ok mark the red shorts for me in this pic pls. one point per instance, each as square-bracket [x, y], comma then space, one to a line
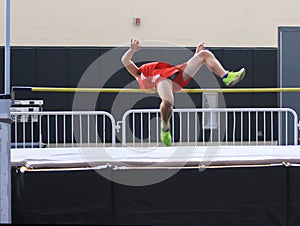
[151, 82]
[178, 81]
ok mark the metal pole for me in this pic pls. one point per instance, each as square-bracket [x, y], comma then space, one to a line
[5, 165]
[7, 47]
[5, 161]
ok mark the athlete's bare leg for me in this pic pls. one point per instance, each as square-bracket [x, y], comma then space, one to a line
[165, 92]
[203, 56]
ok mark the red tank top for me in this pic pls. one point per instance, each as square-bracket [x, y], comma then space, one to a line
[153, 72]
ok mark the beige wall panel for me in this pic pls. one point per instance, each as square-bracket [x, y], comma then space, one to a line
[225, 23]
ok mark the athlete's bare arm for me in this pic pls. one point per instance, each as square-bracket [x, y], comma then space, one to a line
[126, 59]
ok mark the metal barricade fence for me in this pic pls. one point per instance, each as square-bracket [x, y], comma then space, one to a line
[62, 129]
[236, 126]
[141, 127]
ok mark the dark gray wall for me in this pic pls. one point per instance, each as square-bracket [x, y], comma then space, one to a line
[289, 67]
[65, 66]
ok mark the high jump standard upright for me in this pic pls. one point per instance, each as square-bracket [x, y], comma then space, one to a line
[5, 164]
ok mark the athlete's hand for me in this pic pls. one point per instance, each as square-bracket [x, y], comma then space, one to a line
[135, 45]
[200, 47]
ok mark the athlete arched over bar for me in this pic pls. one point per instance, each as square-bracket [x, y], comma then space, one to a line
[167, 79]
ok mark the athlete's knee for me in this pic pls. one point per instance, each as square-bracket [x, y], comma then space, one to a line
[204, 54]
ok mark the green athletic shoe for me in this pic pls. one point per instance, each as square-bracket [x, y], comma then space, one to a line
[234, 77]
[165, 137]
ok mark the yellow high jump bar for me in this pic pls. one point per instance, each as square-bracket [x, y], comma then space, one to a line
[132, 90]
